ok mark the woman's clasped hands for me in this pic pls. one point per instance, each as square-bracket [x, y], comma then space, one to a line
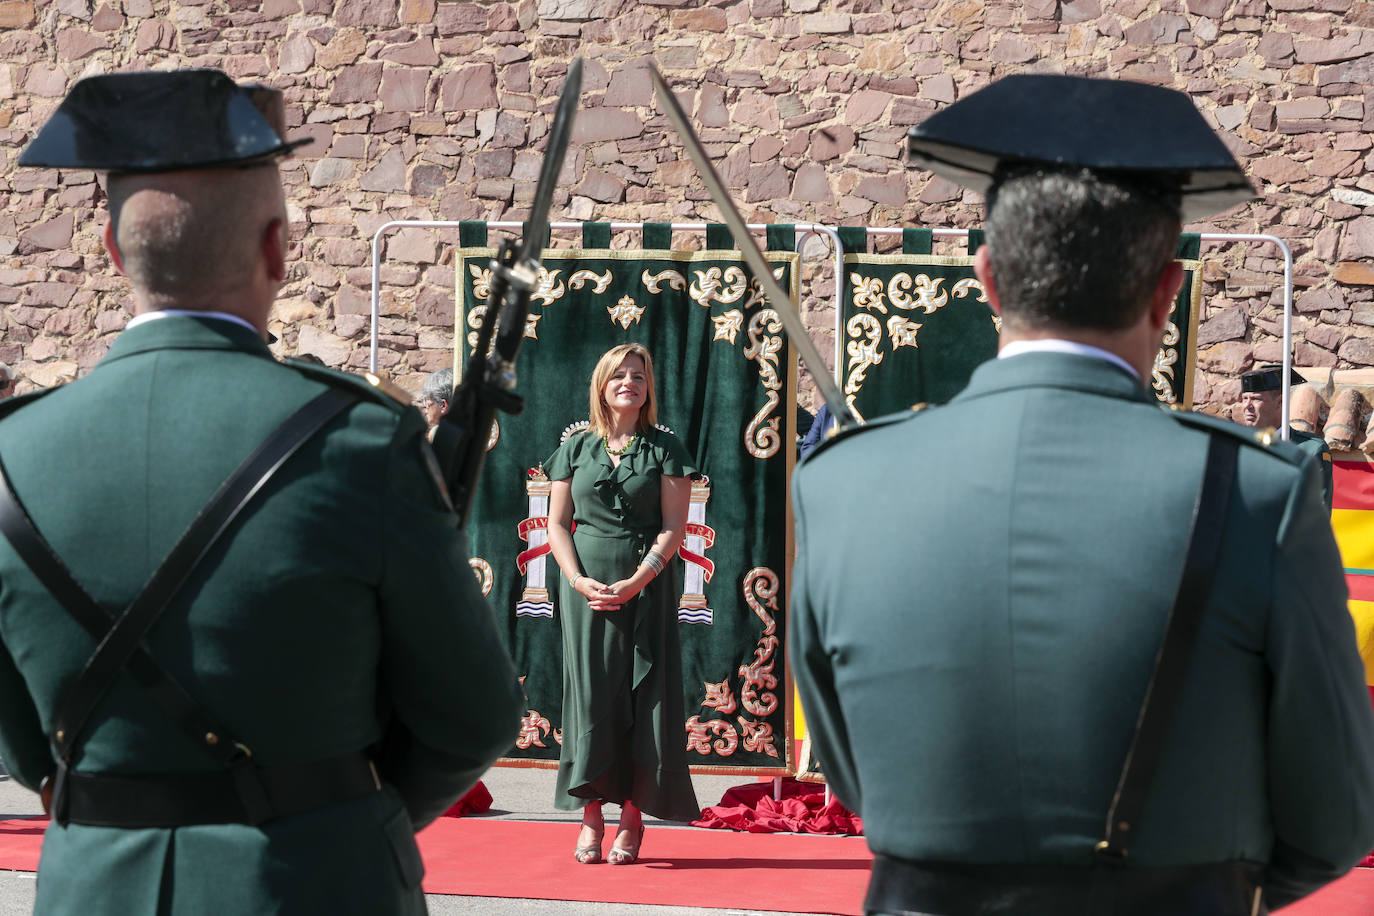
[602, 597]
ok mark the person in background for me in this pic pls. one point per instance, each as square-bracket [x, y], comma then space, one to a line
[1261, 407]
[7, 381]
[974, 630]
[624, 483]
[815, 435]
[268, 738]
[434, 398]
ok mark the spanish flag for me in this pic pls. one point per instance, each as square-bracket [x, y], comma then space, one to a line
[1352, 518]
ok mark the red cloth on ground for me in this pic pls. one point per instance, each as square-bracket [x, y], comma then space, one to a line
[476, 801]
[802, 809]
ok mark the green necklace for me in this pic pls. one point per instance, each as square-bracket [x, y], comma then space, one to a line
[617, 452]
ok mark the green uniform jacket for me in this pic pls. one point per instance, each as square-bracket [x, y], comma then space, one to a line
[1317, 447]
[979, 594]
[339, 609]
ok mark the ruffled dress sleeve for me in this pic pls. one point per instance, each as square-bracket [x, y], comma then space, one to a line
[674, 461]
[559, 465]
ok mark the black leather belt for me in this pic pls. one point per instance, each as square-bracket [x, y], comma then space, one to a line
[904, 888]
[185, 799]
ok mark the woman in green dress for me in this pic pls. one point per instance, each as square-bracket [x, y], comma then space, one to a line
[623, 484]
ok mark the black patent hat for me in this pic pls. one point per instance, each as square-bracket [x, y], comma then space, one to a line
[162, 121]
[1148, 135]
[1268, 378]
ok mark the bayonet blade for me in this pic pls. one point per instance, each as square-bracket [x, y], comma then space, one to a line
[537, 226]
[744, 240]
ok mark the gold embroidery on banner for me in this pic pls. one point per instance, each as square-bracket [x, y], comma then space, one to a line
[761, 437]
[549, 289]
[481, 281]
[1165, 361]
[535, 727]
[580, 278]
[758, 736]
[477, 313]
[967, 285]
[758, 680]
[728, 325]
[756, 294]
[482, 569]
[715, 285]
[652, 282]
[475, 316]
[865, 334]
[902, 331]
[868, 292]
[928, 297]
[720, 697]
[699, 736]
[573, 428]
[961, 289]
[626, 312]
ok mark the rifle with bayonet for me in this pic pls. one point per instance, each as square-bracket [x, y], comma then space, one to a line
[488, 381]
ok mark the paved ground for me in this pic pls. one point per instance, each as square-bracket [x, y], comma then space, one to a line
[518, 793]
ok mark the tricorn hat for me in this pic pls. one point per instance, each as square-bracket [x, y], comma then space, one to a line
[162, 121]
[1268, 378]
[1148, 135]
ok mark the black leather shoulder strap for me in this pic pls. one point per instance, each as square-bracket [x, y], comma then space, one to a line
[1176, 650]
[120, 643]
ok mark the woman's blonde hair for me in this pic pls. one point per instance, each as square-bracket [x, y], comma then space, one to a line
[605, 368]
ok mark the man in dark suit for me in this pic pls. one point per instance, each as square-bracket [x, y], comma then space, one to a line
[327, 679]
[974, 626]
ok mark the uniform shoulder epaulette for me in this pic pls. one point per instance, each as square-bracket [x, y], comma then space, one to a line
[1265, 439]
[837, 435]
[373, 387]
[11, 404]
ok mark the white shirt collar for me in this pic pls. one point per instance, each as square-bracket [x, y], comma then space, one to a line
[168, 313]
[1054, 345]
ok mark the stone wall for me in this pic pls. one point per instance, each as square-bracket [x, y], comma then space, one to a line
[424, 109]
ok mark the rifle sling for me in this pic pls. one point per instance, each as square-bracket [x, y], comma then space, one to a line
[120, 644]
[1175, 651]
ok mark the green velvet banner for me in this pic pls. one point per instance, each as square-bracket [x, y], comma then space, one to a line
[726, 382]
[915, 326]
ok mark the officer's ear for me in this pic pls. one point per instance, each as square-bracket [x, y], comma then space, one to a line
[113, 248]
[273, 246]
[1166, 289]
[982, 269]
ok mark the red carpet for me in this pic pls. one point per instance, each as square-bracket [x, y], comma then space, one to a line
[681, 867]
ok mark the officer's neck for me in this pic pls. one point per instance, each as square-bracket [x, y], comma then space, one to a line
[1135, 346]
[252, 313]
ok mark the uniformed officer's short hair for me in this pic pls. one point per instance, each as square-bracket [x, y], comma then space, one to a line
[438, 387]
[1077, 249]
